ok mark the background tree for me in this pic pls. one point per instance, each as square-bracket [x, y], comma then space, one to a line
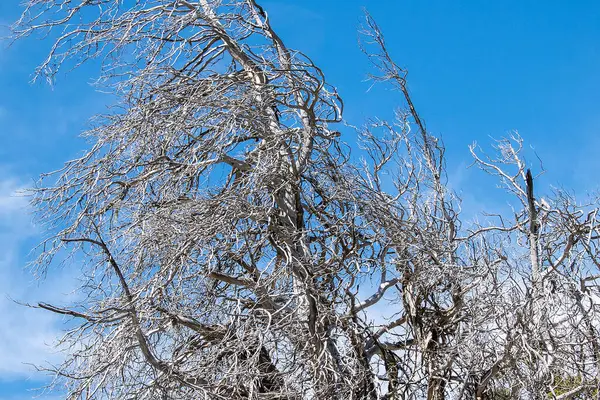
[223, 230]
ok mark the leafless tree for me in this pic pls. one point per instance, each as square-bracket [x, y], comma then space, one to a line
[228, 241]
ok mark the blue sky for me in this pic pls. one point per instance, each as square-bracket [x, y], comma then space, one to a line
[477, 70]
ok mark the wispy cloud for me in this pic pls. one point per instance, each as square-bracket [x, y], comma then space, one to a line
[25, 333]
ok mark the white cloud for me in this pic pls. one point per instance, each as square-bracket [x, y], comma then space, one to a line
[10, 199]
[25, 333]
[33, 395]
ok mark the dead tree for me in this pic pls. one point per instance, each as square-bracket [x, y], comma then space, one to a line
[227, 237]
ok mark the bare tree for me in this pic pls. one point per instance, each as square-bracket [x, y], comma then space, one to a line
[223, 230]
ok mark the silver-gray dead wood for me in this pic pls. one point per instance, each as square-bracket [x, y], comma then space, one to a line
[228, 240]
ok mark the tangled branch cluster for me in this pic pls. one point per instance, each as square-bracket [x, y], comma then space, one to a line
[223, 231]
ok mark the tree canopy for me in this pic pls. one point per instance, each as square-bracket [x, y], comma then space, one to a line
[232, 246]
